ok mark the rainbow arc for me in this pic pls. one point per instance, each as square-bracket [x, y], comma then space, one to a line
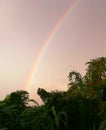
[48, 41]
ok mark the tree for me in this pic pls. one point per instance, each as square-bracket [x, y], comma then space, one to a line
[37, 118]
[96, 71]
[9, 116]
[75, 78]
[44, 95]
[12, 107]
[81, 107]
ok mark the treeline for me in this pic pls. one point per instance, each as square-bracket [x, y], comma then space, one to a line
[81, 107]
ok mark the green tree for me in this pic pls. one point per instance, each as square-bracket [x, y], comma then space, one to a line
[37, 118]
[96, 71]
[12, 107]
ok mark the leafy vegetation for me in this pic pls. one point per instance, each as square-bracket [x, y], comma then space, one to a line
[81, 107]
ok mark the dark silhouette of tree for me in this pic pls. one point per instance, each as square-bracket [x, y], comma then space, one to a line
[81, 107]
[96, 71]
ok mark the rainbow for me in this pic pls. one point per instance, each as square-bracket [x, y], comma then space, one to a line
[47, 42]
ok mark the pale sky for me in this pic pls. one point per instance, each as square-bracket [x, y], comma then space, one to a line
[24, 26]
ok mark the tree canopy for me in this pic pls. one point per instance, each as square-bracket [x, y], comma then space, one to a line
[81, 107]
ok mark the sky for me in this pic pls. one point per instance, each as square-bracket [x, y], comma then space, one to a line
[24, 27]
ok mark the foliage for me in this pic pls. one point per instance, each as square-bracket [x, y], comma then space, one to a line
[81, 107]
